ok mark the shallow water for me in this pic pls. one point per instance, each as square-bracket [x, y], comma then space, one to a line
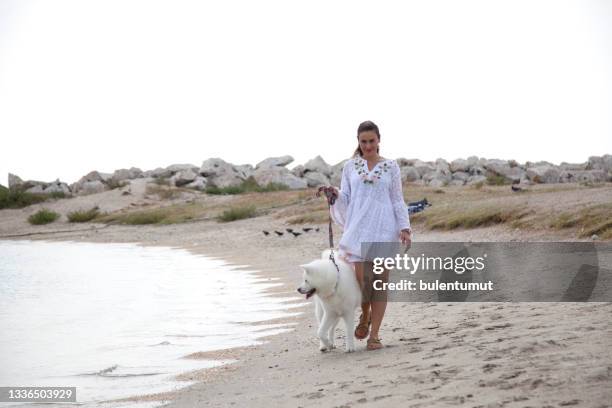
[115, 320]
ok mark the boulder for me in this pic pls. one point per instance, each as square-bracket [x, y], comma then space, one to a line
[37, 189]
[159, 173]
[175, 168]
[220, 173]
[409, 173]
[460, 165]
[580, 176]
[278, 174]
[336, 173]
[316, 179]
[423, 167]
[476, 179]
[126, 174]
[183, 177]
[298, 171]
[199, 183]
[274, 162]
[543, 173]
[460, 175]
[57, 187]
[14, 181]
[245, 170]
[92, 187]
[318, 165]
[402, 162]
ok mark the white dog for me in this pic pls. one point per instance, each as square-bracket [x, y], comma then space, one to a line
[337, 295]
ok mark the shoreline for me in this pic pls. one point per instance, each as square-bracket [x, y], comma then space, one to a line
[436, 354]
[288, 369]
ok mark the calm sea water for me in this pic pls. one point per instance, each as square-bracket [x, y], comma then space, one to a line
[115, 320]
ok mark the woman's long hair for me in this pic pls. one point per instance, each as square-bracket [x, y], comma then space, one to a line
[364, 127]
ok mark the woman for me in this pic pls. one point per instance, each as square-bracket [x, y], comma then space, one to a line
[370, 208]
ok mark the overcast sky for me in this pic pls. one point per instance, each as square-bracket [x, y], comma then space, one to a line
[101, 85]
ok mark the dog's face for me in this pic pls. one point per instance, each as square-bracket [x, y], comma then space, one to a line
[313, 278]
[307, 287]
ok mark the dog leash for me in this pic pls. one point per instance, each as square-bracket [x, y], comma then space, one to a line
[331, 199]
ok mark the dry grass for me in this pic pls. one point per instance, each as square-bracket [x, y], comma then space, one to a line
[594, 219]
[449, 217]
[171, 214]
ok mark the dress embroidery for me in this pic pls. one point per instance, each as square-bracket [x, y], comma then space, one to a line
[369, 176]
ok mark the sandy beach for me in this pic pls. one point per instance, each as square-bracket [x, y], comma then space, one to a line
[436, 354]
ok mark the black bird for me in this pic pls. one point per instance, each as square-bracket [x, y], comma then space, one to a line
[266, 232]
[516, 189]
[296, 234]
[307, 229]
[317, 229]
[279, 233]
[289, 229]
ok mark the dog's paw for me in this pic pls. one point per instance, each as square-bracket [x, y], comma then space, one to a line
[324, 347]
[349, 349]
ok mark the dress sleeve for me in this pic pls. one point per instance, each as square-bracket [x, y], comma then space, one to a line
[338, 210]
[397, 198]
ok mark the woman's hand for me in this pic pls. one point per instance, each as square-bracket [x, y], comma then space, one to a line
[406, 236]
[330, 192]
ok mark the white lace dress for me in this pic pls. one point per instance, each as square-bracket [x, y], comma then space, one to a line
[370, 206]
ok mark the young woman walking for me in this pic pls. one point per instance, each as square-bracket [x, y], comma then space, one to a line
[369, 207]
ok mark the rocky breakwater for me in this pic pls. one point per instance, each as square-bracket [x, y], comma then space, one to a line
[216, 172]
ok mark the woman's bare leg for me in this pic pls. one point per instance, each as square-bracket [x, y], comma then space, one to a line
[379, 305]
[365, 307]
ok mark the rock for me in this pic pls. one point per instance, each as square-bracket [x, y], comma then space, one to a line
[477, 170]
[316, 179]
[510, 170]
[159, 173]
[245, 170]
[543, 173]
[220, 173]
[183, 177]
[274, 162]
[175, 168]
[594, 237]
[199, 183]
[126, 174]
[476, 179]
[423, 167]
[318, 165]
[298, 171]
[37, 189]
[581, 176]
[402, 162]
[336, 174]
[92, 187]
[14, 181]
[57, 187]
[460, 165]
[442, 165]
[409, 173]
[278, 174]
[460, 175]
[442, 176]
[573, 166]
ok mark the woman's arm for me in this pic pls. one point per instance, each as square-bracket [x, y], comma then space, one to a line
[397, 199]
[338, 210]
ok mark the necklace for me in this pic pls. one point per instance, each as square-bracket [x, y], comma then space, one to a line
[369, 176]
